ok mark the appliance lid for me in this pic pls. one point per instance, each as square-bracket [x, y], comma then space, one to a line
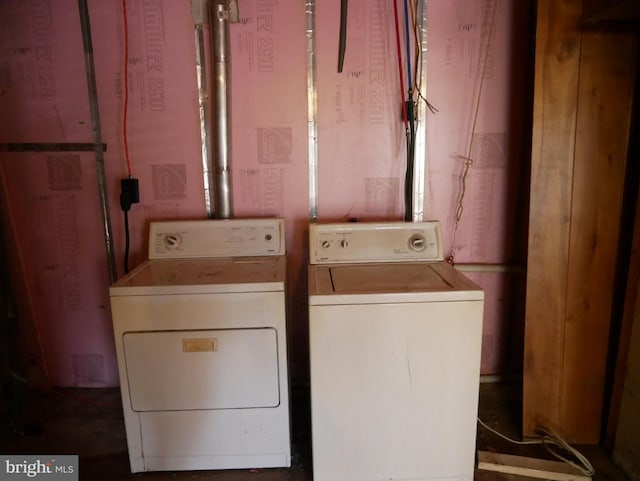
[205, 275]
[391, 282]
[386, 278]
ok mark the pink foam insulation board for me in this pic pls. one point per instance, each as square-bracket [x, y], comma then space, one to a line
[54, 207]
[477, 63]
[56, 222]
[503, 334]
[361, 134]
[42, 73]
[53, 196]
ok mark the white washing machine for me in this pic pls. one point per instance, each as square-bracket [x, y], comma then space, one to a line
[200, 338]
[395, 337]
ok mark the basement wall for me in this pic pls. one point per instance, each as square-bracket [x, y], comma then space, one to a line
[478, 70]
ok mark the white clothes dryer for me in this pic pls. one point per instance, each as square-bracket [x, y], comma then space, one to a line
[395, 338]
[200, 335]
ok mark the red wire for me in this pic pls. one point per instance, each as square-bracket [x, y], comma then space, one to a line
[126, 85]
[404, 104]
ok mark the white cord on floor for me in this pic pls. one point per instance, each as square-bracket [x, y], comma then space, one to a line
[548, 440]
[533, 441]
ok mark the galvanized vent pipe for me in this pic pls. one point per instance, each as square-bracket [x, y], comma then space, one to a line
[221, 112]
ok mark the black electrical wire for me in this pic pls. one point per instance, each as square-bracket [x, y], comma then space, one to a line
[126, 242]
[408, 183]
[411, 144]
[344, 8]
[130, 194]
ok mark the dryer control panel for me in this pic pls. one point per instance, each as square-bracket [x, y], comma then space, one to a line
[361, 242]
[216, 238]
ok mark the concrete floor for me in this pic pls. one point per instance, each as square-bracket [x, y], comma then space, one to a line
[89, 423]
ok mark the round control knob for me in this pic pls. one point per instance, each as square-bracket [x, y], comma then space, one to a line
[344, 243]
[417, 242]
[325, 244]
[172, 241]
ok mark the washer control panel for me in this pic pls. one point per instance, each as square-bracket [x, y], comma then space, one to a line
[216, 238]
[375, 242]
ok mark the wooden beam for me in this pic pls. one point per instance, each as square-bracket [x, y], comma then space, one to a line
[605, 93]
[529, 467]
[557, 67]
[583, 87]
[630, 232]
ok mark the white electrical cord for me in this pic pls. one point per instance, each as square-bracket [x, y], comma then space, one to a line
[549, 439]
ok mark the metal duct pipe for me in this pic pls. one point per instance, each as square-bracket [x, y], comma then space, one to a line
[221, 92]
[205, 117]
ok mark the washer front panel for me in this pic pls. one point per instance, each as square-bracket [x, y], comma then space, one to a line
[394, 390]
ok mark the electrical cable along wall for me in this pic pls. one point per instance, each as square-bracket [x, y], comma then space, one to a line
[129, 188]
